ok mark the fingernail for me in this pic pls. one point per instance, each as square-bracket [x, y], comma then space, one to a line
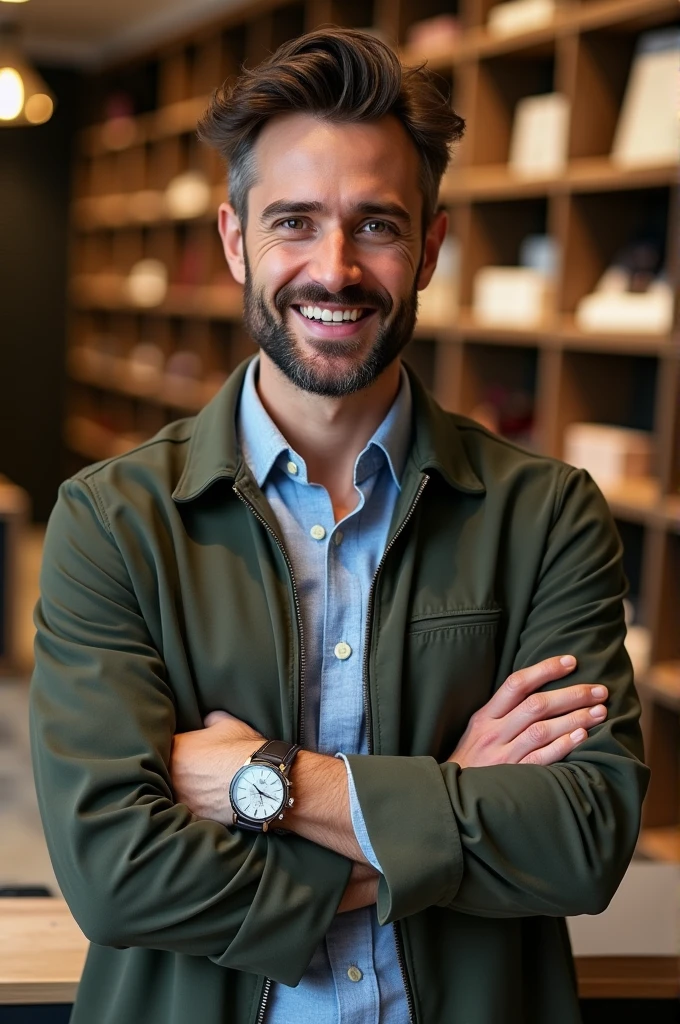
[568, 661]
[577, 736]
[598, 692]
[598, 711]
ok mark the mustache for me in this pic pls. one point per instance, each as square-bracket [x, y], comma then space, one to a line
[353, 295]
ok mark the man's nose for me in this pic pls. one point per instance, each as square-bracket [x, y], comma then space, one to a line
[333, 263]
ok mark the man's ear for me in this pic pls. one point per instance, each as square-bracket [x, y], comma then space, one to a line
[229, 227]
[434, 237]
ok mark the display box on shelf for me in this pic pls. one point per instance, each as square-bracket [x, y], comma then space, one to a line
[610, 454]
[512, 296]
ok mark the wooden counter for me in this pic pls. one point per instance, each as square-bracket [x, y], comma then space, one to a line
[42, 952]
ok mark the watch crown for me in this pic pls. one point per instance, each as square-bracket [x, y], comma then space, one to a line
[291, 801]
[280, 817]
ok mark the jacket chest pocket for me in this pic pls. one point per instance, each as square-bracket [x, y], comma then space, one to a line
[450, 662]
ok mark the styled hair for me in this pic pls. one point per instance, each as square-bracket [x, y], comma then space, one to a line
[342, 76]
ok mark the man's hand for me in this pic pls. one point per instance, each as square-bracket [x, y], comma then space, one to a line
[203, 763]
[520, 726]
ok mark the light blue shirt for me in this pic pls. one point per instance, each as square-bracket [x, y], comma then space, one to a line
[334, 565]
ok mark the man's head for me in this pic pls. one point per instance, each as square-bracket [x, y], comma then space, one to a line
[335, 154]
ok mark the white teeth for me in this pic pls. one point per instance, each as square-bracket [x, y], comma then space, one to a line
[328, 315]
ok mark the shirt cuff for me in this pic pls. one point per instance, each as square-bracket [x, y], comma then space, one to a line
[358, 823]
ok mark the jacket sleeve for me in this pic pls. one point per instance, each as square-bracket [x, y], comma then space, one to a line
[137, 868]
[519, 840]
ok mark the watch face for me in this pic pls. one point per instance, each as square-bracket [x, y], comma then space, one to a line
[257, 792]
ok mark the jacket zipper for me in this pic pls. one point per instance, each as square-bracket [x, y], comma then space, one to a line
[367, 707]
[398, 938]
[300, 724]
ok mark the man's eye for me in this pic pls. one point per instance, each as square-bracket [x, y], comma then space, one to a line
[378, 227]
[294, 223]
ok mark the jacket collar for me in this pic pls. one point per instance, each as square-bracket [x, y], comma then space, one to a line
[214, 451]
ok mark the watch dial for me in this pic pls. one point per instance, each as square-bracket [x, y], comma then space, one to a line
[258, 792]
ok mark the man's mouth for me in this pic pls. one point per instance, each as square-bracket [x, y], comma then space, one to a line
[323, 314]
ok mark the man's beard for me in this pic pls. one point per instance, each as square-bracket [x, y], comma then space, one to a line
[319, 375]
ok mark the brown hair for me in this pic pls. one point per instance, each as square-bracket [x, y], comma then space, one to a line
[341, 75]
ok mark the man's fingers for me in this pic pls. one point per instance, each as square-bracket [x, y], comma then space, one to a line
[540, 735]
[557, 750]
[538, 707]
[520, 684]
[216, 716]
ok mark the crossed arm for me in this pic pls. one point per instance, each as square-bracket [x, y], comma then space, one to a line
[517, 726]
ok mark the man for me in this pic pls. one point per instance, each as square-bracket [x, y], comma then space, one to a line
[325, 563]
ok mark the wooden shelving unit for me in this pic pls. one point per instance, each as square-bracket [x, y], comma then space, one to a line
[567, 375]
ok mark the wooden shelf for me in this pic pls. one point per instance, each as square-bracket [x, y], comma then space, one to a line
[594, 174]
[107, 292]
[135, 209]
[628, 977]
[662, 684]
[173, 119]
[661, 844]
[94, 442]
[113, 374]
[479, 43]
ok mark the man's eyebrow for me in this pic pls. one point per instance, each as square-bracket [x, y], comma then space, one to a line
[394, 210]
[283, 207]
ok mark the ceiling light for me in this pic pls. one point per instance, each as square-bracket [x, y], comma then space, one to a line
[25, 99]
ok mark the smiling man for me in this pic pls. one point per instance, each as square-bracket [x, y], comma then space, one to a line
[304, 745]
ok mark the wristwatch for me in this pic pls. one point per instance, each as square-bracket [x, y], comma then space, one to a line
[260, 790]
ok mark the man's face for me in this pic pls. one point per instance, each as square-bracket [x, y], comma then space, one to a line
[333, 253]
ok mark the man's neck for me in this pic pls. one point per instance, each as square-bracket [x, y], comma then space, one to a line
[328, 433]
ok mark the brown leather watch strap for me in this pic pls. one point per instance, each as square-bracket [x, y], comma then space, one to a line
[278, 753]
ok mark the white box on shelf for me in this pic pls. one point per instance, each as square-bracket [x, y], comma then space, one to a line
[649, 312]
[520, 16]
[538, 146]
[648, 130]
[511, 296]
[610, 454]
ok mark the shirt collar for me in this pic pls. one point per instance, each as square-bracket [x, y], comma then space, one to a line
[263, 443]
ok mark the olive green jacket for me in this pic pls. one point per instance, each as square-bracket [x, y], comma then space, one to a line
[166, 594]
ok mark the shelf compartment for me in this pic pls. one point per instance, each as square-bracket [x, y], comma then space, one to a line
[662, 683]
[497, 386]
[598, 226]
[662, 844]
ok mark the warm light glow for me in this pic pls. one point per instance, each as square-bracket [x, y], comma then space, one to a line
[11, 94]
[13, 1]
[38, 108]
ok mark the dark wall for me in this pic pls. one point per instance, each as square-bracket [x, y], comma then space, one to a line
[35, 178]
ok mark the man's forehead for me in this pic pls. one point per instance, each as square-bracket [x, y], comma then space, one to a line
[296, 152]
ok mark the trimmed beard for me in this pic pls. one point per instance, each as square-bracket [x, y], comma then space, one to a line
[317, 375]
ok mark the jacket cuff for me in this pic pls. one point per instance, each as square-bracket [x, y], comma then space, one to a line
[358, 823]
[413, 831]
[293, 908]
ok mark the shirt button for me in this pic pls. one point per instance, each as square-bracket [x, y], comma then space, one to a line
[337, 537]
[354, 974]
[292, 468]
[318, 532]
[342, 651]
